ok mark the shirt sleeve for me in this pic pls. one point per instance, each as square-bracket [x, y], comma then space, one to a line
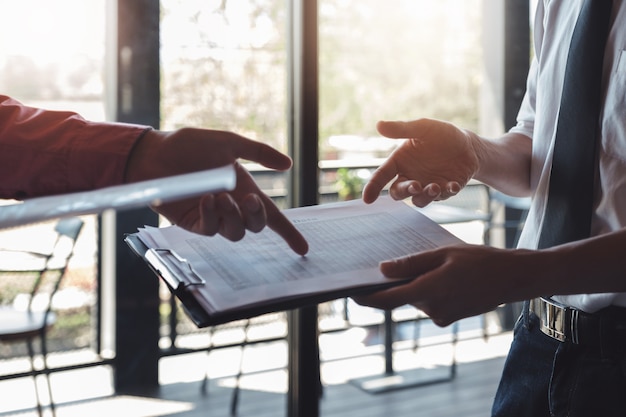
[53, 152]
[527, 112]
[526, 115]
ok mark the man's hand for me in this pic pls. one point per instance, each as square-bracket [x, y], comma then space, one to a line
[436, 161]
[160, 154]
[456, 282]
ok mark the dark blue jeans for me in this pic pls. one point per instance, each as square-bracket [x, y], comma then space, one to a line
[545, 377]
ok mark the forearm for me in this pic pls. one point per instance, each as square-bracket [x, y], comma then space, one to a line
[594, 265]
[504, 163]
[51, 152]
[564, 269]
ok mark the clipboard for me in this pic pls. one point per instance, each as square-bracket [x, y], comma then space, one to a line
[182, 284]
[219, 281]
[178, 286]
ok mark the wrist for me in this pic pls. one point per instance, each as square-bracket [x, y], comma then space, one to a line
[479, 147]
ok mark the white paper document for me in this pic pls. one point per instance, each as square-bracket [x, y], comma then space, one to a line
[261, 274]
[120, 197]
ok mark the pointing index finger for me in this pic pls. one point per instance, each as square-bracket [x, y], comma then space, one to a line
[280, 224]
[261, 153]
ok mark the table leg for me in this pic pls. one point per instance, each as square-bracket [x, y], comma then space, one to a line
[304, 363]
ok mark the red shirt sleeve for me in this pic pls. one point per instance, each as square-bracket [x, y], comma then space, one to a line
[53, 152]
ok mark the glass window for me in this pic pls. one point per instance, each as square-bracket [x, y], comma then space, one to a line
[52, 54]
[223, 67]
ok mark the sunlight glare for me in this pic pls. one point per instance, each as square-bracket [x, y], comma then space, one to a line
[49, 31]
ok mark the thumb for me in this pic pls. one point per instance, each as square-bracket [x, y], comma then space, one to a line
[400, 129]
[410, 266]
[406, 130]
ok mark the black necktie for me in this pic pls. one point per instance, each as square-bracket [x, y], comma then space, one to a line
[570, 196]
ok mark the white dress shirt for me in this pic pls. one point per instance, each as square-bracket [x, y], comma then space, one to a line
[537, 118]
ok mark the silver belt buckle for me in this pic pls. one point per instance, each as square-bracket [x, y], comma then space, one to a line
[556, 319]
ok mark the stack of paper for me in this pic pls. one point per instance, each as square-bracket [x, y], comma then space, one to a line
[218, 280]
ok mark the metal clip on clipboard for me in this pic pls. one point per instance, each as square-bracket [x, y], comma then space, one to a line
[175, 270]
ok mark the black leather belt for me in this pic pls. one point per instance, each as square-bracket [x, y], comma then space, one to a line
[566, 324]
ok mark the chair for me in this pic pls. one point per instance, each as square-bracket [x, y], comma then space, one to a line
[32, 320]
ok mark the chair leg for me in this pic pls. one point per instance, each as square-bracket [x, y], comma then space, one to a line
[455, 339]
[234, 402]
[416, 333]
[44, 353]
[204, 386]
[31, 355]
[484, 324]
